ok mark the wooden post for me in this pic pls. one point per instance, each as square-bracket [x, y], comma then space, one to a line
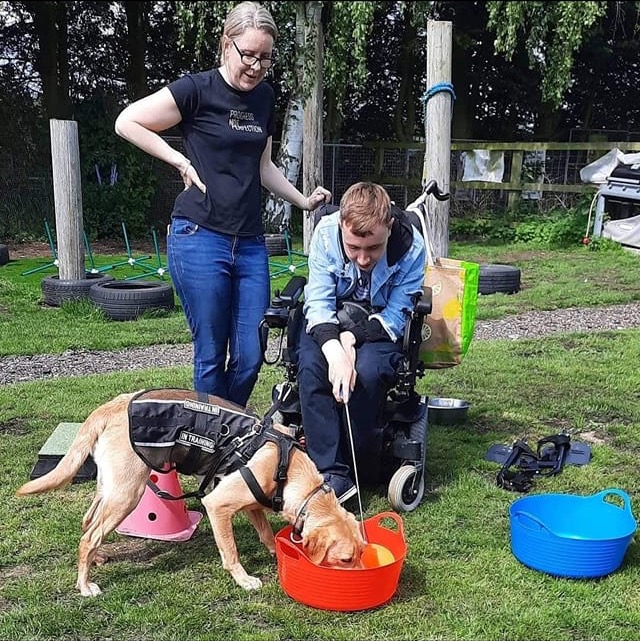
[312, 174]
[437, 127]
[67, 195]
[513, 197]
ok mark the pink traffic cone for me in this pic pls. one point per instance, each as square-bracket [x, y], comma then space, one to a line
[162, 519]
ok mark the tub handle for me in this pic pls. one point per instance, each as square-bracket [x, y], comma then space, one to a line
[530, 517]
[377, 520]
[291, 549]
[626, 500]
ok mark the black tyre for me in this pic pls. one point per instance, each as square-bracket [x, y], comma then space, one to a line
[4, 254]
[127, 300]
[56, 291]
[418, 430]
[499, 278]
[276, 244]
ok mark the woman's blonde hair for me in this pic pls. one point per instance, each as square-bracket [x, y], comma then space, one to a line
[247, 15]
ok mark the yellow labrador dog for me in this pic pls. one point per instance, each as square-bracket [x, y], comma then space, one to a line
[329, 534]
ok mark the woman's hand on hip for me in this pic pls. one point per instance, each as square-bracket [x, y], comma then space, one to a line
[190, 177]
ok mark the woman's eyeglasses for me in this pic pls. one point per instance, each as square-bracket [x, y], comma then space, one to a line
[249, 60]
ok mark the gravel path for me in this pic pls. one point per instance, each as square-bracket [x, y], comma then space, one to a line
[15, 369]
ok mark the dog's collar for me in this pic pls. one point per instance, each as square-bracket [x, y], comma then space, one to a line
[301, 514]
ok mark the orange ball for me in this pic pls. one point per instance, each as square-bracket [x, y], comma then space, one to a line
[375, 555]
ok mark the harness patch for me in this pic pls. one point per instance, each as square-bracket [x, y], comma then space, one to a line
[204, 443]
[199, 406]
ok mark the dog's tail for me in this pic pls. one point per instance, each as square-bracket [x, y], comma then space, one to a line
[77, 453]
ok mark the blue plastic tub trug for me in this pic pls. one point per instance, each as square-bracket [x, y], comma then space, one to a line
[572, 536]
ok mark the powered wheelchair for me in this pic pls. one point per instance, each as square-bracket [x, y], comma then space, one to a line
[403, 437]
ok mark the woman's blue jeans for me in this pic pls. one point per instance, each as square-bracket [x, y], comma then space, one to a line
[222, 282]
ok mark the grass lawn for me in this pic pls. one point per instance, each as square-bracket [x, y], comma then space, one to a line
[550, 279]
[460, 579]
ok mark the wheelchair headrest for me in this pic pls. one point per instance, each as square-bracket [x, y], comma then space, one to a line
[412, 217]
[323, 210]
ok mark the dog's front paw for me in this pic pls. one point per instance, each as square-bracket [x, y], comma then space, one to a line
[89, 589]
[243, 579]
[250, 583]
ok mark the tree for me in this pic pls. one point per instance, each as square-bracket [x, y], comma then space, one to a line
[346, 28]
[603, 94]
[312, 152]
[553, 34]
[289, 156]
[50, 27]
[137, 23]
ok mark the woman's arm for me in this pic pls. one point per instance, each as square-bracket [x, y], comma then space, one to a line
[141, 123]
[274, 180]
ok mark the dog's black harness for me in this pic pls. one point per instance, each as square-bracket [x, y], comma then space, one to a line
[203, 438]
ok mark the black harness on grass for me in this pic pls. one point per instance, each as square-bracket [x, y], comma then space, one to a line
[523, 465]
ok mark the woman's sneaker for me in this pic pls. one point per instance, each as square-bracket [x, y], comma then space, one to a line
[342, 486]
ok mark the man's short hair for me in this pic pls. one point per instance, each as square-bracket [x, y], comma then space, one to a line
[365, 206]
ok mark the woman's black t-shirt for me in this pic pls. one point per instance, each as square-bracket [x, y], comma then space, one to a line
[225, 132]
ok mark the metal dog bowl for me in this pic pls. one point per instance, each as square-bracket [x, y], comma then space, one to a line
[447, 411]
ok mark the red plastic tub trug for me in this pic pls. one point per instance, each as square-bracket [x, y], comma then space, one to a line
[343, 589]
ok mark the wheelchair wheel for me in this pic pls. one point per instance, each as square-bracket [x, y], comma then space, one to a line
[405, 490]
[418, 429]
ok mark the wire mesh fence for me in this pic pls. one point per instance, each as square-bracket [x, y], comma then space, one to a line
[29, 200]
[399, 169]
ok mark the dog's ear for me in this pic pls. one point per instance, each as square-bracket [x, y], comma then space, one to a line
[315, 544]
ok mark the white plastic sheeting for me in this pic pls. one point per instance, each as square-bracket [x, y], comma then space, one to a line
[625, 231]
[483, 164]
[599, 170]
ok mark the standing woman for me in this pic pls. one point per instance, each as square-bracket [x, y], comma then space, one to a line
[216, 249]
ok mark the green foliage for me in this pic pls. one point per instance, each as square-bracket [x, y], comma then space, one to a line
[346, 48]
[200, 25]
[559, 228]
[601, 244]
[118, 183]
[484, 228]
[22, 211]
[554, 33]
[563, 229]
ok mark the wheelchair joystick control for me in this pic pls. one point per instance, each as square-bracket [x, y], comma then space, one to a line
[277, 313]
[282, 303]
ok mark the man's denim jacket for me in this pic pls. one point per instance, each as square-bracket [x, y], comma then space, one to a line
[332, 277]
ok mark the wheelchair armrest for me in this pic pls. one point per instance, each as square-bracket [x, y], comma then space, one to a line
[424, 302]
[413, 368]
[284, 310]
[290, 295]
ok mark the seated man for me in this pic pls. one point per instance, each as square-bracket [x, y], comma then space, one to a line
[360, 257]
